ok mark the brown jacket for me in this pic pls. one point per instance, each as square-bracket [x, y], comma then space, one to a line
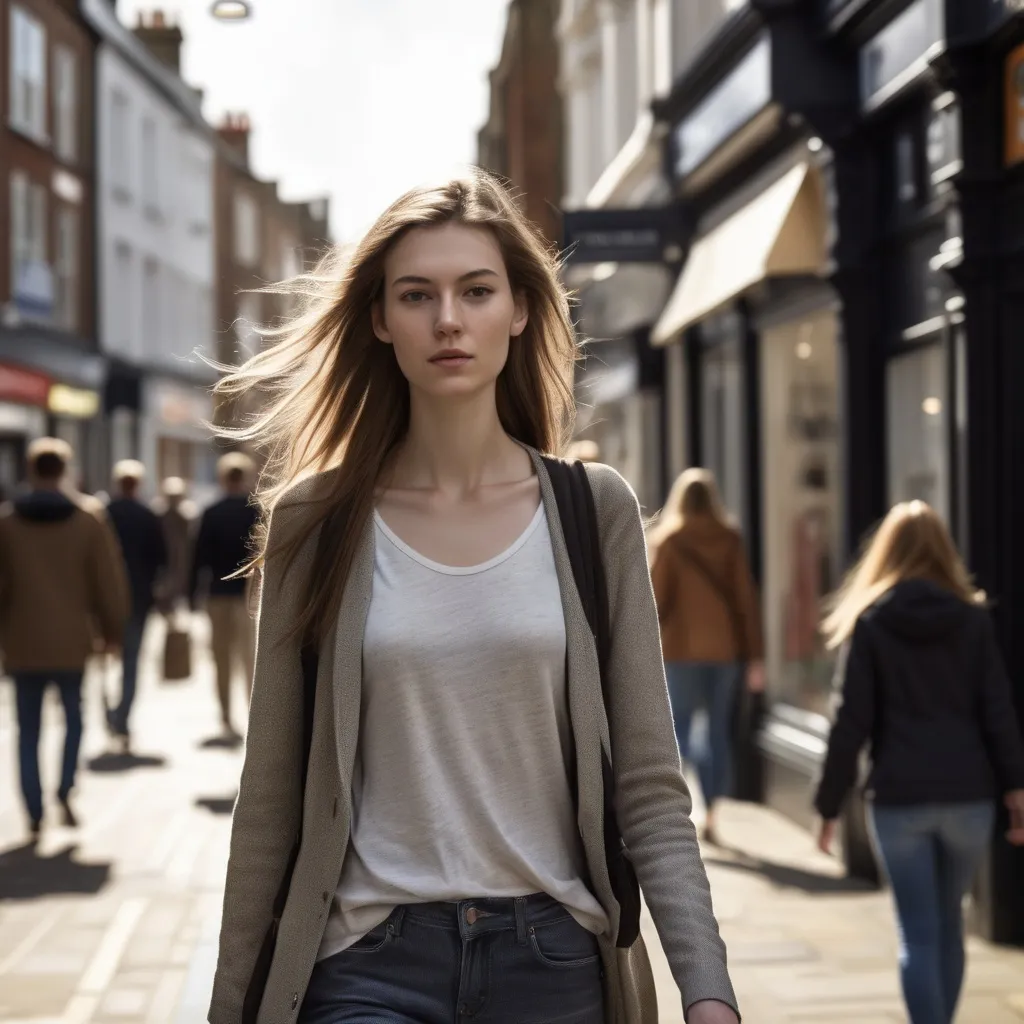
[706, 596]
[62, 584]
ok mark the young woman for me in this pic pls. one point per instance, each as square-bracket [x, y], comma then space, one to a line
[451, 864]
[710, 622]
[923, 679]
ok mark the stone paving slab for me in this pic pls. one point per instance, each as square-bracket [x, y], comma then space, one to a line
[116, 922]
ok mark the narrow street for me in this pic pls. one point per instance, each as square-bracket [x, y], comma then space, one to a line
[117, 921]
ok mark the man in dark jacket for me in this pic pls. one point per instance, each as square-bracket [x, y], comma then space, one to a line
[222, 548]
[61, 579]
[145, 556]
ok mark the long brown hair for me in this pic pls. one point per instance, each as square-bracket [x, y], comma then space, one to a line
[694, 495]
[912, 542]
[333, 395]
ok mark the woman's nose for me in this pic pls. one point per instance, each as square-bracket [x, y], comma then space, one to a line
[449, 320]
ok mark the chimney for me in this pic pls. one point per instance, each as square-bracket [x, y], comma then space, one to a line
[161, 38]
[234, 130]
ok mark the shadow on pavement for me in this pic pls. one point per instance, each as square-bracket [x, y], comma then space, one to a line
[26, 876]
[788, 877]
[222, 742]
[217, 804]
[111, 762]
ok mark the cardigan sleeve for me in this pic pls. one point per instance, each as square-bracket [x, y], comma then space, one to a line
[268, 808]
[652, 800]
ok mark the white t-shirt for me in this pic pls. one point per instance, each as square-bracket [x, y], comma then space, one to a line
[461, 784]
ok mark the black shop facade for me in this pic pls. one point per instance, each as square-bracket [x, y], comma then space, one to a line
[846, 311]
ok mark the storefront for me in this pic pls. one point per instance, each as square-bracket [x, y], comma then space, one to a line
[848, 320]
[174, 436]
[23, 399]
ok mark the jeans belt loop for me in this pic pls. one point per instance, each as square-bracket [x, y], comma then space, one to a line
[521, 920]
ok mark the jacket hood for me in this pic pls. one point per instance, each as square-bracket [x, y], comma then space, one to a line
[45, 507]
[920, 610]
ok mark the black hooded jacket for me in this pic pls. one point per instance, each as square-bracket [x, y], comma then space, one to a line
[923, 680]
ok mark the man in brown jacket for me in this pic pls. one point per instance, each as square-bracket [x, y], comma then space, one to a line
[62, 595]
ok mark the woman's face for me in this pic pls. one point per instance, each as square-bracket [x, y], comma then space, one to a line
[448, 309]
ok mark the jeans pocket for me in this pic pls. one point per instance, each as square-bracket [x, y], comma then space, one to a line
[374, 940]
[564, 944]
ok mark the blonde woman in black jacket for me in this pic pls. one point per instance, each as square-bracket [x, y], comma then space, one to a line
[924, 682]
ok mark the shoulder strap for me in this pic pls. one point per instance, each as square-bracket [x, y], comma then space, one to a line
[578, 515]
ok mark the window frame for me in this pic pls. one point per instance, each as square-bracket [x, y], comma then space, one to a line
[31, 122]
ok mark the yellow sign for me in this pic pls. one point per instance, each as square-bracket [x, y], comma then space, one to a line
[1014, 102]
[74, 402]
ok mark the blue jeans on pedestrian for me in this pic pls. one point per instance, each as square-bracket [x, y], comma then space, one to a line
[482, 961]
[29, 688]
[712, 686]
[131, 647]
[931, 853]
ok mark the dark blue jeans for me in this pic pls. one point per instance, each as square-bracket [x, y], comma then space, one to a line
[132, 645]
[489, 961]
[29, 688]
[931, 853]
[712, 686]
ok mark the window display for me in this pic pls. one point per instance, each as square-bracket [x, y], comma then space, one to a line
[802, 504]
[918, 428]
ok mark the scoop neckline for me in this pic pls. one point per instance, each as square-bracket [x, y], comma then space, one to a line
[460, 570]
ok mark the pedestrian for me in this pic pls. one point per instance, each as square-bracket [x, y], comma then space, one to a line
[710, 624]
[144, 549]
[452, 862]
[222, 549]
[922, 678]
[177, 514]
[60, 579]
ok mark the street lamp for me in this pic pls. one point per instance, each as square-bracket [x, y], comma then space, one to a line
[231, 10]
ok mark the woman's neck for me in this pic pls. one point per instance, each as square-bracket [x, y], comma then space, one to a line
[457, 448]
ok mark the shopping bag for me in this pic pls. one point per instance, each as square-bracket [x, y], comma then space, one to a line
[177, 652]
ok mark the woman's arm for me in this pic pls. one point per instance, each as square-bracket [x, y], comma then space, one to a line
[999, 720]
[664, 574]
[748, 605]
[854, 720]
[652, 800]
[268, 808]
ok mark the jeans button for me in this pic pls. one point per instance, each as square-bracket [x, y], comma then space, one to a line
[472, 916]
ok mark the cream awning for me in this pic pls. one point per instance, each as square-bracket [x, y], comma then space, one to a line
[780, 232]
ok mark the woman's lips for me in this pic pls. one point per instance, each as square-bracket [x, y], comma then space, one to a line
[451, 362]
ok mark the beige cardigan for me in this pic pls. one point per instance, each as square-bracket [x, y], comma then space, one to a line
[652, 798]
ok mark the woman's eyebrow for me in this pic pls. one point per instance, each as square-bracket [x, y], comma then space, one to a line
[413, 279]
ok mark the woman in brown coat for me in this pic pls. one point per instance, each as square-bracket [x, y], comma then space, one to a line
[710, 622]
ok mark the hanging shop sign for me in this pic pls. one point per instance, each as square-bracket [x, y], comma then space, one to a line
[642, 235]
[24, 386]
[1014, 101]
[75, 403]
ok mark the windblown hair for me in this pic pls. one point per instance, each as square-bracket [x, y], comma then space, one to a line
[912, 542]
[333, 396]
[694, 495]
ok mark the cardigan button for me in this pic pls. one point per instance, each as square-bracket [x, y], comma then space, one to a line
[295, 999]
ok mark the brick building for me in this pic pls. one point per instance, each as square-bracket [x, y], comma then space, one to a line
[50, 373]
[260, 239]
[522, 139]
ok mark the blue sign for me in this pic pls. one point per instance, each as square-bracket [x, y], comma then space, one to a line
[34, 290]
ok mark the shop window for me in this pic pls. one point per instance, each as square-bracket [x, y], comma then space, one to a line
[943, 147]
[906, 169]
[724, 419]
[802, 514]
[918, 428]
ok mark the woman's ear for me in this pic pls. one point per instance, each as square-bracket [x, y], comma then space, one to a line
[520, 315]
[380, 328]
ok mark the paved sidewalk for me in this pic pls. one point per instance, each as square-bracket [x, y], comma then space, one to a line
[116, 923]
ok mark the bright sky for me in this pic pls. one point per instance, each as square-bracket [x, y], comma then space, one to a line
[359, 99]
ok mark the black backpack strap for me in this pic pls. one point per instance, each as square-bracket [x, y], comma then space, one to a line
[577, 512]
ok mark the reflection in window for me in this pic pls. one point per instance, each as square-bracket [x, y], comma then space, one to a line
[802, 504]
[888, 58]
[918, 428]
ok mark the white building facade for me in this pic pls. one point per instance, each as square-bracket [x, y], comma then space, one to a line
[617, 58]
[155, 202]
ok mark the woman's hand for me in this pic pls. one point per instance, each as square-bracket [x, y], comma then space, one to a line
[710, 1011]
[1015, 805]
[826, 836]
[756, 677]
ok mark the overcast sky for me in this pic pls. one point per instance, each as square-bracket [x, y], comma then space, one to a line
[359, 99]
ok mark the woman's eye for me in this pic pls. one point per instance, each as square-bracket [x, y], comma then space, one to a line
[479, 292]
[414, 296]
